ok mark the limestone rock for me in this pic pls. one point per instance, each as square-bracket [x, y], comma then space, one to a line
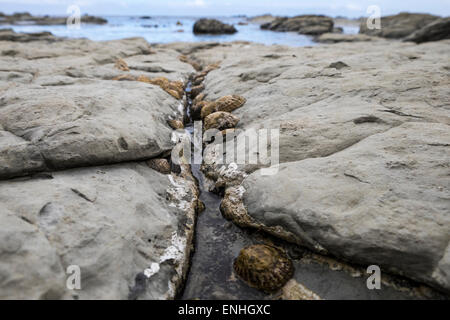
[30, 267]
[18, 156]
[81, 125]
[382, 201]
[114, 222]
[59, 112]
[366, 149]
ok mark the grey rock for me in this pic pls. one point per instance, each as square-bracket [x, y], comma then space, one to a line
[344, 122]
[59, 112]
[128, 227]
[18, 156]
[436, 30]
[212, 26]
[80, 125]
[114, 222]
[306, 24]
[30, 267]
[383, 201]
[399, 26]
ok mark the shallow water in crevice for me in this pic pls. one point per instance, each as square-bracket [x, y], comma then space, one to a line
[217, 242]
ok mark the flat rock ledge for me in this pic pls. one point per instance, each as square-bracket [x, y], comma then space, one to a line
[75, 189]
[364, 137]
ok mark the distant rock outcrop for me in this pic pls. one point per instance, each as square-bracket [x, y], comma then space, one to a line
[27, 18]
[399, 26]
[266, 18]
[212, 26]
[437, 30]
[306, 24]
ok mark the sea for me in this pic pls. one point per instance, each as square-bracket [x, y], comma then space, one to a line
[167, 29]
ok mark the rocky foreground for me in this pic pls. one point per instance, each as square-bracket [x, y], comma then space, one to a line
[364, 153]
[98, 205]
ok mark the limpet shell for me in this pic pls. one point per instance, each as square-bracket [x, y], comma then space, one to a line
[174, 88]
[220, 121]
[264, 267]
[229, 103]
[121, 65]
[160, 165]
[175, 124]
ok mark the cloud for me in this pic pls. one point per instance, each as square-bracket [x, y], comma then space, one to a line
[197, 3]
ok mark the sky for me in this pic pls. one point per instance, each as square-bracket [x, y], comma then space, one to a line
[349, 8]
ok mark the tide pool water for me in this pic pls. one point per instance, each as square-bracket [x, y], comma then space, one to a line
[166, 30]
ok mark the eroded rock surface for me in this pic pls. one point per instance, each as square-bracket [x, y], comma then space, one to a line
[128, 227]
[114, 222]
[384, 201]
[364, 137]
[60, 108]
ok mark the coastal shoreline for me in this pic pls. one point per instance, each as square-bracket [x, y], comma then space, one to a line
[80, 122]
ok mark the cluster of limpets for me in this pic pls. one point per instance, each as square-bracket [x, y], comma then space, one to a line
[264, 267]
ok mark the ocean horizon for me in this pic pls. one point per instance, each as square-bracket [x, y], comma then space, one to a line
[167, 29]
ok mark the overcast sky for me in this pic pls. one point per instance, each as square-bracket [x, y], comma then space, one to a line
[351, 8]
